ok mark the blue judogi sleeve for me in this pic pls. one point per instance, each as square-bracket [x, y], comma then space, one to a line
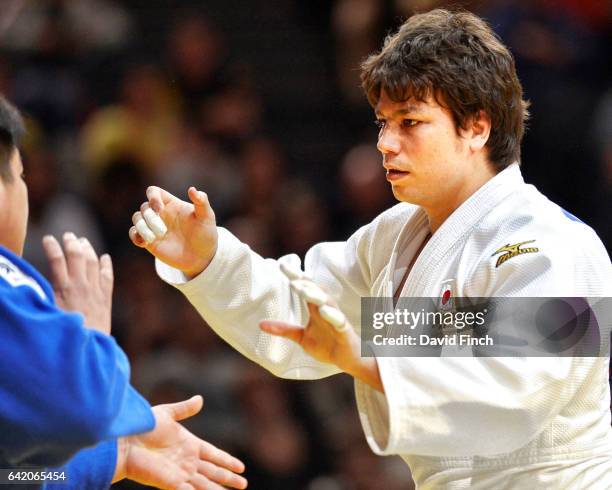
[91, 468]
[63, 387]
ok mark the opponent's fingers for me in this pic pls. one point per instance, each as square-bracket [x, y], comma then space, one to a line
[281, 329]
[200, 482]
[107, 275]
[213, 454]
[158, 198]
[186, 408]
[92, 266]
[57, 262]
[203, 210]
[152, 466]
[221, 475]
[136, 238]
[185, 486]
[75, 257]
[153, 220]
[142, 228]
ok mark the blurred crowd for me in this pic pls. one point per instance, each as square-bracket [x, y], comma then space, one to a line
[258, 103]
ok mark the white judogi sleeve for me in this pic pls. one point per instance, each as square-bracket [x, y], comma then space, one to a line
[458, 406]
[239, 289]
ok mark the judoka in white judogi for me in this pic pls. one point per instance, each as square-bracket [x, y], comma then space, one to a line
[480, 423]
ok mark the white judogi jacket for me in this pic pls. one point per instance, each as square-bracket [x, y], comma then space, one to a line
[478, 423]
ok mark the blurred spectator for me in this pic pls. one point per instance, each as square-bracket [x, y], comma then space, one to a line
[277, 447]
[233, 114]
[95, 24]
[53, 210]
[364, 191]
[194, 360]
[118, 189]
[255, 232]
[302, 218]
[196, 57]
[356, 25]
[192, 159]
[262, 175]
[141, 125]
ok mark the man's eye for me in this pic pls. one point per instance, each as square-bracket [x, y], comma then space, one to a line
[409, 122]
[379, 123]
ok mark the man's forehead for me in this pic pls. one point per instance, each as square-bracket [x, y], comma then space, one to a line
[387, 106]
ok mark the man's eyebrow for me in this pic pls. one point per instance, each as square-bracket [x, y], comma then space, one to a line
[409, 109]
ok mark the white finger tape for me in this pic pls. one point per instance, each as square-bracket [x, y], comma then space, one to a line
[314, 295]
[291, 272]
[297, 285]
[144, 231]
[335, 317]
[155, 223]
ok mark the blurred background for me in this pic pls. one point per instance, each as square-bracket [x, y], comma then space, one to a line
[258, 103]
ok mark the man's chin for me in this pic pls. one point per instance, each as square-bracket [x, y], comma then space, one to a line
[401, 194]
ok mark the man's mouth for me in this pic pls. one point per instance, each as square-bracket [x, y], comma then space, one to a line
[393, 174]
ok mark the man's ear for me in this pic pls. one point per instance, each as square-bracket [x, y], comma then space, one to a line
[478, 131]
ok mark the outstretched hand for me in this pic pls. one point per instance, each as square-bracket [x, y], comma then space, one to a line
[170, 457]
[185, 237]
[328, 336]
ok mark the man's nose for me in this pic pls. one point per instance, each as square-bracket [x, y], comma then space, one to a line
[388, 141]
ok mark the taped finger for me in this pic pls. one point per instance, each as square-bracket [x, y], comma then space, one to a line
[312, 293]
[291, 272]
[144, 231]
[136, 238]
[154, 222]
[334, 317]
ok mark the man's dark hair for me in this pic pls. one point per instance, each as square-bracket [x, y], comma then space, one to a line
[11, 132]
[456, 58]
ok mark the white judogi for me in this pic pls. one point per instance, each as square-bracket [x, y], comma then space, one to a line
[477, 423]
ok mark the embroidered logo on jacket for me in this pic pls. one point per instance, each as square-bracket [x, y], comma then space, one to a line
[510, 251]
[13, 275]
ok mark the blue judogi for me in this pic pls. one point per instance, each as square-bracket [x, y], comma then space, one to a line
[63, 387]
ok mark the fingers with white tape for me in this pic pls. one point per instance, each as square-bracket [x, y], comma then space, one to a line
[144, 231]
[154, 222]
[291, 272]
[334, 317]
[313, 294]
[309, 291]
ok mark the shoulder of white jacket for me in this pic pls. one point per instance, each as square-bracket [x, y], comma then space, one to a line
[14, 277]
[528, 232]
[529, 215]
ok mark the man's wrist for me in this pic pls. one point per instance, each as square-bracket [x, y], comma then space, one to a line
[192, 272]
[367, 371]
[363, 368]
[122, 456]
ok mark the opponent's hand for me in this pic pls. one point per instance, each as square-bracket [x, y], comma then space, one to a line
[186, 239]
[328, 336]
[81, 282]
[171, 457]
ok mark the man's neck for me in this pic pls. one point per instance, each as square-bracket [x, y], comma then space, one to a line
[439, 214]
